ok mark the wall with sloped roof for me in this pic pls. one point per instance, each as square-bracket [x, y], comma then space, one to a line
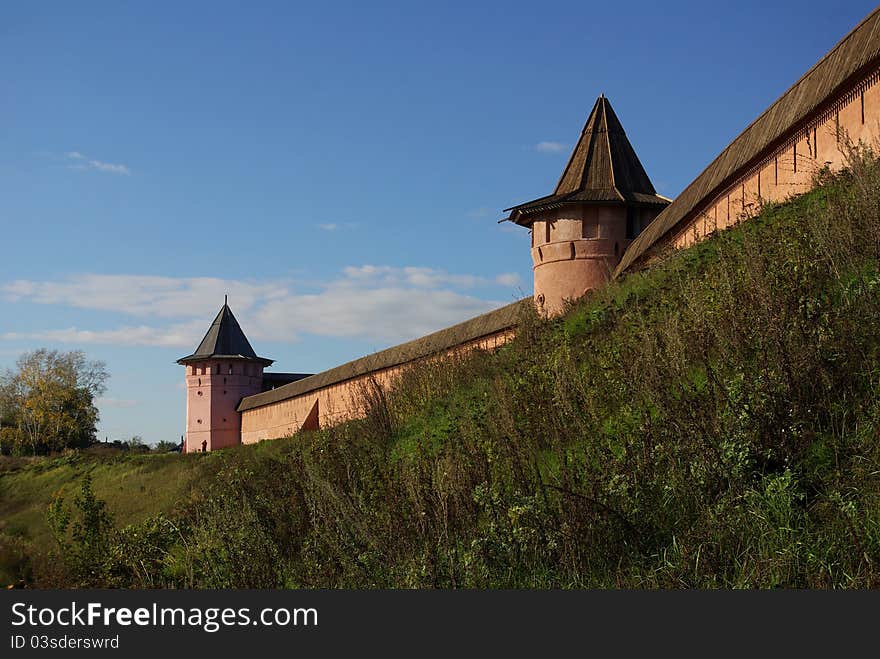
[779, 153]
[338, 394]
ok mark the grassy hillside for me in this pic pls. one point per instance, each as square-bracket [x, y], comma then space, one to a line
[134, 487]
[711, 422]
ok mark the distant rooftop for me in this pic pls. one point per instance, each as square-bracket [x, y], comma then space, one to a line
[274, 380]
[224, 340]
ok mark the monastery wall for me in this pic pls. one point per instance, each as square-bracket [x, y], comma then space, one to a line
[779, 154]
[790, 169]
[337, 395]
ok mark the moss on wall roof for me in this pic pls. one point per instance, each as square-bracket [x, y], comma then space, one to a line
[490, 323]
[853, 57]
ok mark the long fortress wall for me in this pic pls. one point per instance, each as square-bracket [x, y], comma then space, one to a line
[778, 155]
[775, 157]
[337, 395]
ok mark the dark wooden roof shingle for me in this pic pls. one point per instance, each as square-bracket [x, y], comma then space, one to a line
[602, 168]
[225, 340]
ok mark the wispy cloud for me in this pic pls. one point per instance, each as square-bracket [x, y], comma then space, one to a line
[508, 279]
[141, 335]
[367, 301]
[336, 226]
[142, 295]
[479, 213]
[550, 147]
[81, 162]
[383, 275]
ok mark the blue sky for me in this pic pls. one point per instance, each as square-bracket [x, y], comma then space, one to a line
[337, 168]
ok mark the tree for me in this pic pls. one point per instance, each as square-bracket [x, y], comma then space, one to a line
[85, 539]
[136, 444]
[48, 399]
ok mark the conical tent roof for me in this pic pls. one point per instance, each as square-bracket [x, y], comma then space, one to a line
[602, 168]
[224, 339]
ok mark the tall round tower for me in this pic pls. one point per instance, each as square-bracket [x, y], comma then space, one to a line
[222, 370]
[603, 200]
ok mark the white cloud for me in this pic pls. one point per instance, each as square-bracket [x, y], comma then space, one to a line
[178, 336]
[330, 226]
[386, 313]
[367, 301]
[82, 162]
[479, 213]
[550, 147]
[410, 276]
[376, 302]
[142, 295]
[109, 167]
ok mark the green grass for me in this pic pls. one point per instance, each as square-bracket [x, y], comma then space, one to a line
[134, 487]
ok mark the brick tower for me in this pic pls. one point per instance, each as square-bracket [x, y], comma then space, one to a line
[602, 201]
[222, 370]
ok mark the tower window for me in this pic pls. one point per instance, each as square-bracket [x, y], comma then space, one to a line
[631, 223]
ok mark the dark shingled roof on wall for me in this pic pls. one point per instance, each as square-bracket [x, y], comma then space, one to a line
[506, 317]
[853, 57]
[224, 340]
[602, 168]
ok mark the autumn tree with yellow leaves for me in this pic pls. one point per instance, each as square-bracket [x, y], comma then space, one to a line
[47, 402]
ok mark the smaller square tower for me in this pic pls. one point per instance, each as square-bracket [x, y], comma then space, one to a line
[223, 370]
